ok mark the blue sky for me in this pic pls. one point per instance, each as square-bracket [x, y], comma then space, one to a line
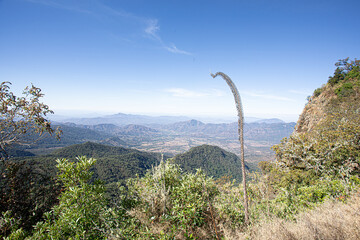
[155, 57]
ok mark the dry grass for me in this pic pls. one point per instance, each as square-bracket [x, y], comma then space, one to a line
[332, 220]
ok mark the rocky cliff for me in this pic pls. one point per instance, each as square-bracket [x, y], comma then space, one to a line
[341, 92]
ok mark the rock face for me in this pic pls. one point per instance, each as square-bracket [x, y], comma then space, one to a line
[315, 110]
[341, 93]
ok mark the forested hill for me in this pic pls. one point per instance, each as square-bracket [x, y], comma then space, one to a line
[113, 163]
[117, 163]
[91, 149]
[215, 162]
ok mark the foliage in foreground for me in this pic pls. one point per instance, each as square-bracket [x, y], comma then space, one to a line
[169, 204]
[25, 193]
[81, 211]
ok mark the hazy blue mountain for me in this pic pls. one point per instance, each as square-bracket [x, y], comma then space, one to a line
[270, 120]
[273, 130]
[131, 129]
[71, 134]
[122, 119]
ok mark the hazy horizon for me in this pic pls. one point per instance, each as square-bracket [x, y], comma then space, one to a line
[68, 114]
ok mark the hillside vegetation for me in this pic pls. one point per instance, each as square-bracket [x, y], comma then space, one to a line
[214, 161]
[311, 190]
[116, 164]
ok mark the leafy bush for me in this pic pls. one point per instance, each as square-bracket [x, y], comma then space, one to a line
[317, 92]
[167, 197]
[339, 76]
[345, 71]
[82, 212]
[229, 205]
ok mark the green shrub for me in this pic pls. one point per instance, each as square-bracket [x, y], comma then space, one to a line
[339, 76]
[317, 92]
[345, 90]
[180, 202]
[354, 73]
[345, 71]
[10, 227]
[229, 204]
[82, 212]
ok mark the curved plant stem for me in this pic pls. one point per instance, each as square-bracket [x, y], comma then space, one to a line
[241, 136]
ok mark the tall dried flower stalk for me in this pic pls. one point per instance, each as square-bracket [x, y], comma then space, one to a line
[241, 135]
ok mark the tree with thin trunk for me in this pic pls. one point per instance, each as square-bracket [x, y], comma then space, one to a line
[241, 135]
[22, 118]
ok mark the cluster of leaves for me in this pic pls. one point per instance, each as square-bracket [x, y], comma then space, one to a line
[345, 70]
[346, 89]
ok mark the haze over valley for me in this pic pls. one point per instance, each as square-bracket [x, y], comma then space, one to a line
[169, 135]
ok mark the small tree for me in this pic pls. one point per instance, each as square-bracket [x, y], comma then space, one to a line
[241, 135]
[20, 116]
[24, 192]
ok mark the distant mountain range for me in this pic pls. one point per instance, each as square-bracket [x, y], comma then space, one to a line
[170, 138]
[272, 130]
[122, 119]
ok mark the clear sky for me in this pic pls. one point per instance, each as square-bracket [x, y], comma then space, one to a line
[155, 57]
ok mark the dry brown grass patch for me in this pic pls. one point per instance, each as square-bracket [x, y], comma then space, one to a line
[331, 220]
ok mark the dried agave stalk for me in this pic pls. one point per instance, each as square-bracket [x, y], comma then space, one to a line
[241, 135]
